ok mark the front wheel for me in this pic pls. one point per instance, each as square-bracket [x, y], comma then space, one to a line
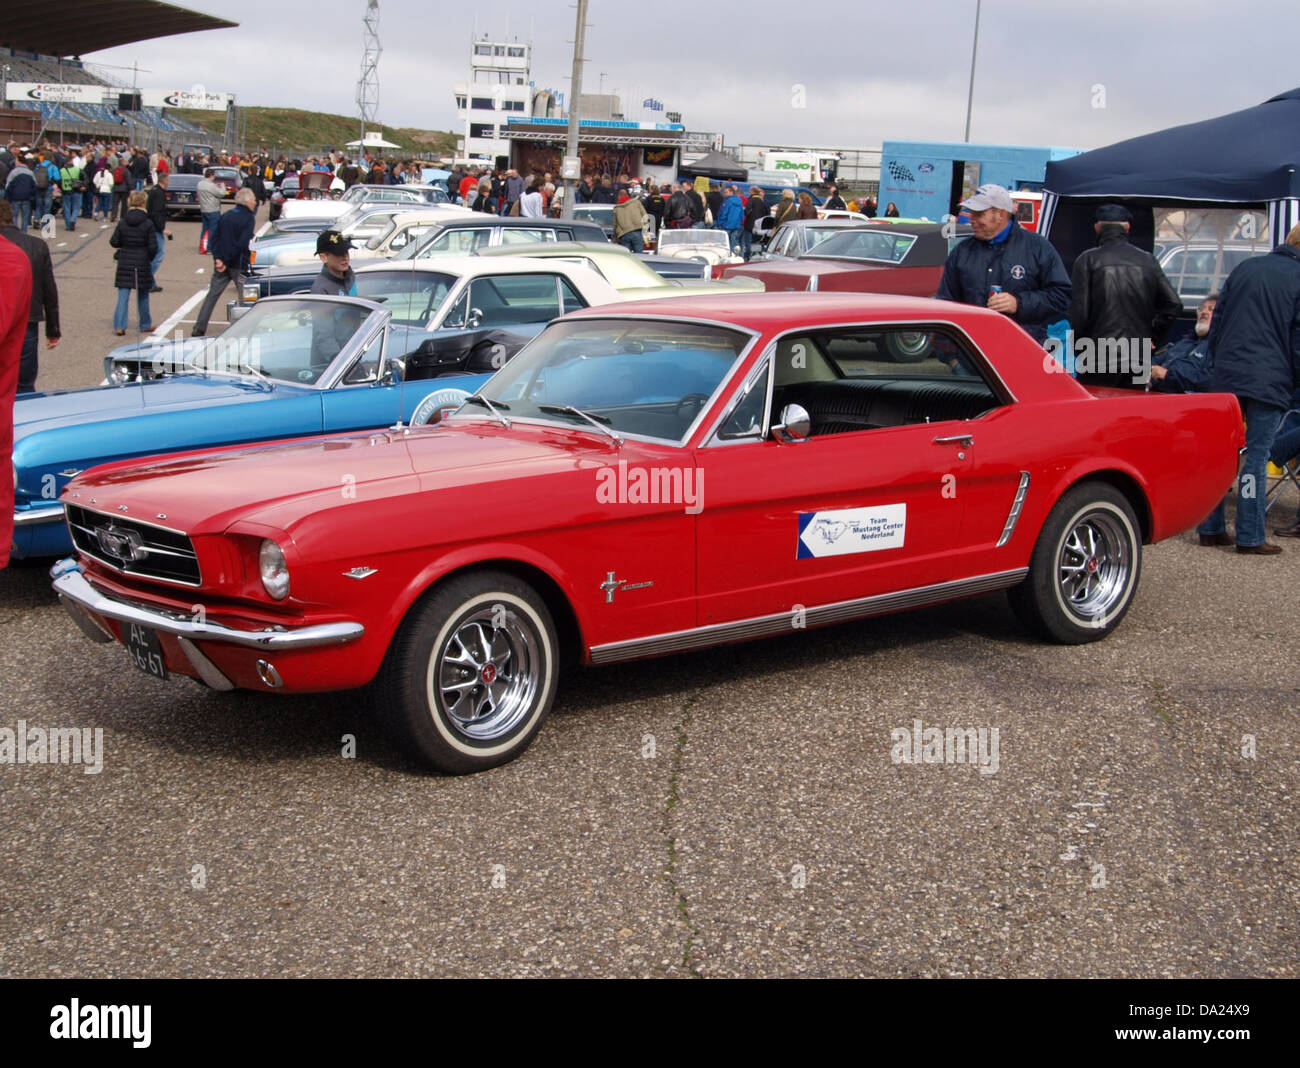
[1084, 569]
[471, 673]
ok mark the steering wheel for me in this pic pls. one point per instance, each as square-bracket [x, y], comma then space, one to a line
[699, 400]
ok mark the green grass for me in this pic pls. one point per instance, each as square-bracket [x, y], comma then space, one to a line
[293, 131]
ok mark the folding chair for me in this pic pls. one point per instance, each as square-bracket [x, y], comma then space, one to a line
[1289, 471]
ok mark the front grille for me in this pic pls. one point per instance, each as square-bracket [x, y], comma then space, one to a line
[132, 547]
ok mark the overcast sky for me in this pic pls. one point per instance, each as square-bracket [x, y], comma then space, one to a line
[829, 75]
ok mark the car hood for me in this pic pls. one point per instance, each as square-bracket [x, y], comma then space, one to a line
[279, 486]
[37, 412]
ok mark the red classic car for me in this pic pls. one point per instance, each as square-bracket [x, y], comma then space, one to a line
[645, 479]
[902, 258]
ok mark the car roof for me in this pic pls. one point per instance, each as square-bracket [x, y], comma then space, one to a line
[832, 223]
[474, 265]
[548, 249]
[416, 214]
[764, 312]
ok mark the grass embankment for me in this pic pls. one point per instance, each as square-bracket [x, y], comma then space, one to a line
[291, 130]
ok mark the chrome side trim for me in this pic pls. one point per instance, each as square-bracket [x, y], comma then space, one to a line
[45, 513]
[1013, 517]
[823, 615]
[71, 584]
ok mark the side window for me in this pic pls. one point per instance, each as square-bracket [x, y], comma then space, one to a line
[569, 297]
[458, 242]
[521, 235]
[872, 377]
[746, 418]
[365, 368]
[510, 299]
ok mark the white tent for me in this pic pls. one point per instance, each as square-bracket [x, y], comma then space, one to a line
[373, 139]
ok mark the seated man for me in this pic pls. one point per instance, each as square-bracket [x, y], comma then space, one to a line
[1185, 365]
[1286, 448]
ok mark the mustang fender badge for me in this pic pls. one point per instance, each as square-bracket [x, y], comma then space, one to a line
[360, 572]
[612, 585]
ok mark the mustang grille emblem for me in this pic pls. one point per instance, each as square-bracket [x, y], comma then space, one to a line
[120, 544]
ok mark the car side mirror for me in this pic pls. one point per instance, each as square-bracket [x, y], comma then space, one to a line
[474, 320]
[395, 372]
[795, 425]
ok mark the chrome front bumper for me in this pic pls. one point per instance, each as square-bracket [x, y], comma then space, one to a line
[81, 599]
[47, 513]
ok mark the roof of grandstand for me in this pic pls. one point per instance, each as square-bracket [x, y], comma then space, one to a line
[74, 27]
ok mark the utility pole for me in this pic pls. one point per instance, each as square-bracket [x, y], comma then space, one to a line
[575, 107]
[970, 95]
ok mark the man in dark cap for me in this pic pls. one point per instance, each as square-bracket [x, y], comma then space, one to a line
[1005, 267]
[1121, 306]
[336, 278]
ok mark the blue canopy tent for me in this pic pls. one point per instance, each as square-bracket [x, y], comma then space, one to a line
[1245, 160]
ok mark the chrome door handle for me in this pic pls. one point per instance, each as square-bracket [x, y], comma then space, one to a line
[956, 439]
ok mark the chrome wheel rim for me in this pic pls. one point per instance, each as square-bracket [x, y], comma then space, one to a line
[911, 343]
[1094, 566]
[486, 677]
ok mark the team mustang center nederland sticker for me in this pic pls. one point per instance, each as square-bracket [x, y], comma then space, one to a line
[851, 530]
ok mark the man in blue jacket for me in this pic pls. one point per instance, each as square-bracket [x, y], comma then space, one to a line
[1255, 346]
[1004, 267]
[229, 247]
[1185, 365]
[731, 217]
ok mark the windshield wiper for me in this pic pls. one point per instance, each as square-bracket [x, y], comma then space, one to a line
[598, 421]
[491, 406]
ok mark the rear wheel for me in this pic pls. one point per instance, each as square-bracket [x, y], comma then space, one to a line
[471, 673]
[908, 346]
[1084, 569]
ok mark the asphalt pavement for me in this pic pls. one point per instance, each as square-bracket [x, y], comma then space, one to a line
[738, 812]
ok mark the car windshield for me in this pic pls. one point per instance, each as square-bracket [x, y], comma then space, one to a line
[597, 213]
[414, 297]
[669, 239]
[650, 378]
[286, 340]
[887, 246]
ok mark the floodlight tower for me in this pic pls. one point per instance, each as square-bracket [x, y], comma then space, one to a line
[368, 83]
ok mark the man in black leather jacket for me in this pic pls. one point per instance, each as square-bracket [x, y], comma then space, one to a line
[1121, 305]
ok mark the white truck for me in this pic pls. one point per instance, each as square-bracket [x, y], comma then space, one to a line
[808, 167]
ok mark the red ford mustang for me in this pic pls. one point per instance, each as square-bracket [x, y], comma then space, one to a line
[659, 477]
[902, 258]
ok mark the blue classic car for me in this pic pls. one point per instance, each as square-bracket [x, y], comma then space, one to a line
[292, 367]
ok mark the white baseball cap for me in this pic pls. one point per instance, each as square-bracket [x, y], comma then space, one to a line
[989, 196]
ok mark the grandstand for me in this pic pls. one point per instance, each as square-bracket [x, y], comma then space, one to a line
[38, 47]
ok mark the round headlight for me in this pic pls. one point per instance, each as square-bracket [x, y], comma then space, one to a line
[117, 375]
[275, 573]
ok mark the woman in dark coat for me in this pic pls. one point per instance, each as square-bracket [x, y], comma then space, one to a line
[136, 242]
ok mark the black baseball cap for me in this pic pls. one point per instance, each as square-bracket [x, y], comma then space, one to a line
[333, 242]
[1112, 213]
